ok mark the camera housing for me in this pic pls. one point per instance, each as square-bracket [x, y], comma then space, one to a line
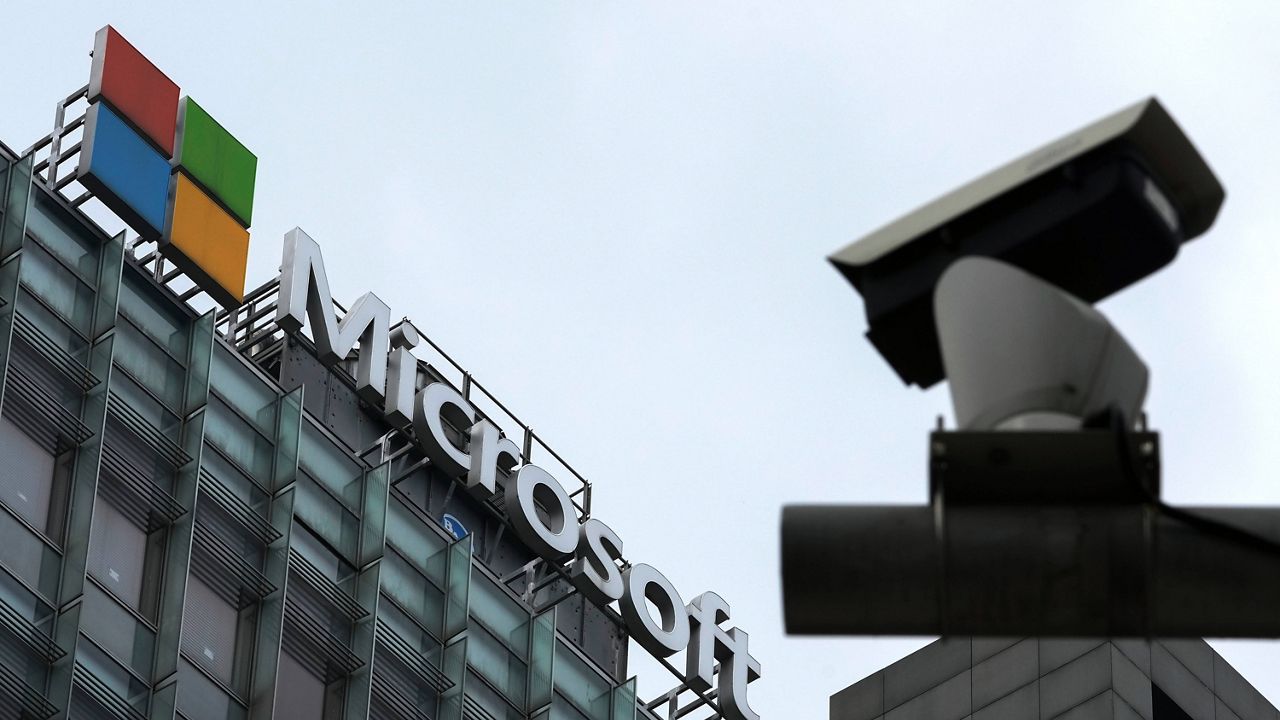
[1091, 213]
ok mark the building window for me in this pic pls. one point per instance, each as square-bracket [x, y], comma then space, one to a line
[300, 695]
[124, 558]
[209, 631]
[36, 481]
[200, 698]
[220, 608]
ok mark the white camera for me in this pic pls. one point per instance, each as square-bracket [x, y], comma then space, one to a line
[1021, 354]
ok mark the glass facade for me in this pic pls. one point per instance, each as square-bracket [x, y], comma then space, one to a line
[187, 531]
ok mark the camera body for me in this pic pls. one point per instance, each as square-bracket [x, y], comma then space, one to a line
[1091, 213]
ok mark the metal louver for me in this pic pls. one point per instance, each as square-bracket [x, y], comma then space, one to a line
[237, 508]
[228, 574]
[314, 647]
[141, 500]
[103, 696]
[23, 629]
[15, 690]
[125, 420]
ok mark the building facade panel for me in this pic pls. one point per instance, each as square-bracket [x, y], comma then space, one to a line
[1018, 705]
[949, 700]
[860, 701]
[1238, 695]
[1048, 678]
[1181, 684]
[1076, 681]
[926, 669]
[1004, 672]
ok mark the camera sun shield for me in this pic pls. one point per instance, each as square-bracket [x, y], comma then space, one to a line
[1092, 213]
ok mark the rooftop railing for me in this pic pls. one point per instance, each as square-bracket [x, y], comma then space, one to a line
[251, 328]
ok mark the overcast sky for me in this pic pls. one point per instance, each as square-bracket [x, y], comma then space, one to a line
[616, 215]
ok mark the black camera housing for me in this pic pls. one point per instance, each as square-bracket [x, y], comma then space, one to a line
[1091, 213]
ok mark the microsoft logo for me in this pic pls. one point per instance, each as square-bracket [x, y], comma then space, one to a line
[168, 168]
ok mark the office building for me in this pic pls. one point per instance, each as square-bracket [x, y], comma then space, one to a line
[203, 517]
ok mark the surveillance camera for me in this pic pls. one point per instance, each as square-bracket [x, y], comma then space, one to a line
[1091, 213]
[1020, 354]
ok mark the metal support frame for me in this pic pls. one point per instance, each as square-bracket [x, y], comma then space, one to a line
[61, 129]
[271, 614]
[538, 575]
[547, 605]
[671, 698]
[373, 528]
[491, 548]
[535, 581]
[1035, 533]
[179, 541]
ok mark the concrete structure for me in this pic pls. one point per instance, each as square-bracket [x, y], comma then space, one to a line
[1043, 679]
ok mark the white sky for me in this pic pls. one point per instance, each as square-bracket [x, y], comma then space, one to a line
[616, 215]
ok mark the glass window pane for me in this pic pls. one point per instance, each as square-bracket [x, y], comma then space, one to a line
[214, 517]
[111, 673]
[29, 665]
[63, 236]
[155, 369]
[241, 388]
[499, 665]
[489, 699]
[117, 549]
[241, 443]
[577, 681]
[299, 694]
[26, 604]
[399, 660]
[28, 556]
[326, 516]
[136, 399]
[28, 478]
[117, 630]
[155, 315]
[500, 613]
[209, 630]
[54, 327]
[408, 533]
[313, 549]
[235, 481]
[200, 698]
[417, 595]
[409, 631]
[330, 465]
[562, 709]
[57, 287]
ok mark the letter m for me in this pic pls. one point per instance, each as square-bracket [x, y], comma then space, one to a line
[305, 289]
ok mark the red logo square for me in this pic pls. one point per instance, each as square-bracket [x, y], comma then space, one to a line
[138, 91]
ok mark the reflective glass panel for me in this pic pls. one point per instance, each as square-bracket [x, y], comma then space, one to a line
[200, 698]
[63, 236]
[117, 630]
[61, 290]
[154, 315]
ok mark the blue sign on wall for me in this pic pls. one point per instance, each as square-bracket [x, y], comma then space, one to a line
[454, 527]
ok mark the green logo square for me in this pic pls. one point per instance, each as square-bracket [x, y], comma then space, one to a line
[216, 160]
